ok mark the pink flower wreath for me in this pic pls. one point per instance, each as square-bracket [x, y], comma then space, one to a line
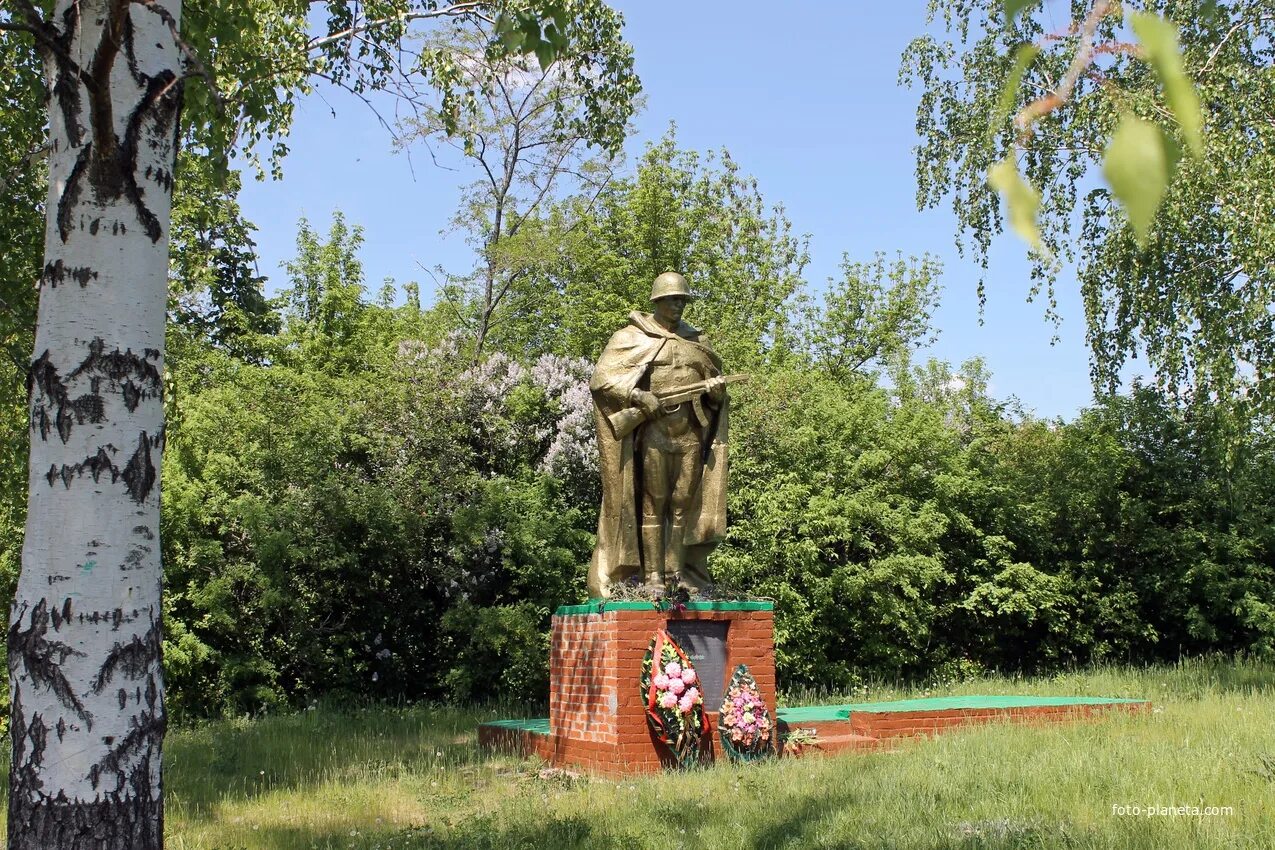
[674, 704]
[744, 723]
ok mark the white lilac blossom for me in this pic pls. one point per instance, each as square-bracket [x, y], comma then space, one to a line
[560, 437]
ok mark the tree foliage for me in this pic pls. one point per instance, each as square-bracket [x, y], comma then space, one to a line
[406, 530]
[260, 56]
[682, 210]
[527, 136]
[22, 190]
[1191, 290]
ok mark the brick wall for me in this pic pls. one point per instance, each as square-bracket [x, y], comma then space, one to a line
[596, 711]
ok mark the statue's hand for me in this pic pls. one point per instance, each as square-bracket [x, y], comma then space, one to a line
[646, 401]
[717, 389]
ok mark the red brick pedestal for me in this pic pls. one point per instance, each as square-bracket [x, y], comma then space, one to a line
[597, 718]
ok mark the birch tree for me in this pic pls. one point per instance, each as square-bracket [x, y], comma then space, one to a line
[1169, 100]
[87, 712]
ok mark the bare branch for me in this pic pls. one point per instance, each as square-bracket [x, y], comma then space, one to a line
[366, 102]
[553, 170]
[9, 26]
[456, 10]
[1085, 51]
[1208, 65]
[447, 295]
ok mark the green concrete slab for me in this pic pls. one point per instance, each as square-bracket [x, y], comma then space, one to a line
[534, 725]
[599, 606]
[825, 713]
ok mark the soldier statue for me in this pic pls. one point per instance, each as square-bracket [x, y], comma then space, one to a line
[660, 406]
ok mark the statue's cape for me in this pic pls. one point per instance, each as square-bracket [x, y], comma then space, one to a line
[622, 365]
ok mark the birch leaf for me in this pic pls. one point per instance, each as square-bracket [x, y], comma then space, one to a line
[1159, 40]
[1021, 198]
[1138, 164]
[1014, 8]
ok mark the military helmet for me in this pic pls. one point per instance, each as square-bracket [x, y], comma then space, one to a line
[669, 283]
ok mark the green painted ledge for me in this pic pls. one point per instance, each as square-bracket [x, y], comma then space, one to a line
[598, 606]
[831, 713]
[825, 713]
[534, 725]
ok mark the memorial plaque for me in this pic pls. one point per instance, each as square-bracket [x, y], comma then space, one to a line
[704, 642]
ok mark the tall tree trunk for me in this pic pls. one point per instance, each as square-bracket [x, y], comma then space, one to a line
[87, 715]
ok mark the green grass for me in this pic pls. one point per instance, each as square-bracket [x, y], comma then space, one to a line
[413, 778]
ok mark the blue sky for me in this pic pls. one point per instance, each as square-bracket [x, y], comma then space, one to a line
[806, 98]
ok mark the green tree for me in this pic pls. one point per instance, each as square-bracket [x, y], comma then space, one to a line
[874, 315]
[22, 190]
[215, 288]
[687, 212]
[324, 301]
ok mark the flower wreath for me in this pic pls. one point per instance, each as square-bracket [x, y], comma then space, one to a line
[674, 705]
[744, 723]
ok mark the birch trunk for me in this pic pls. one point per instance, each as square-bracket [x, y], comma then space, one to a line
[87, 714]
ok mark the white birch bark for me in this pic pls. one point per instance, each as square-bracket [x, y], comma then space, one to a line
[87, 715]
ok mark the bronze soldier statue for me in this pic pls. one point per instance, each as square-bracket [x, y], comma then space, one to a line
[660, 407]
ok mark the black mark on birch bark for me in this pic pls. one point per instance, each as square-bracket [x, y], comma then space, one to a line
[59, 617]
[71, 192]
[136, 558]
[139, 473]
[117, 366]
[115, 616]
[24, 773]
[135, 821]
[132, 754]
[41, 659]
[58, 272]
[96, 465]
[44, 390]
[133, 660]
[90, 407]
[135, 378]
[132, 395]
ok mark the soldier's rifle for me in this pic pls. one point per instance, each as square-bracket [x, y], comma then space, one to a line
[624, 421]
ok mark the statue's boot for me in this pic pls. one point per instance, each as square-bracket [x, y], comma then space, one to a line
[693, 572]
[653, 556]
[674, 553]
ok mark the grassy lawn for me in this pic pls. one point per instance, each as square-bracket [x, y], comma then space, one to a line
[413, 778]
